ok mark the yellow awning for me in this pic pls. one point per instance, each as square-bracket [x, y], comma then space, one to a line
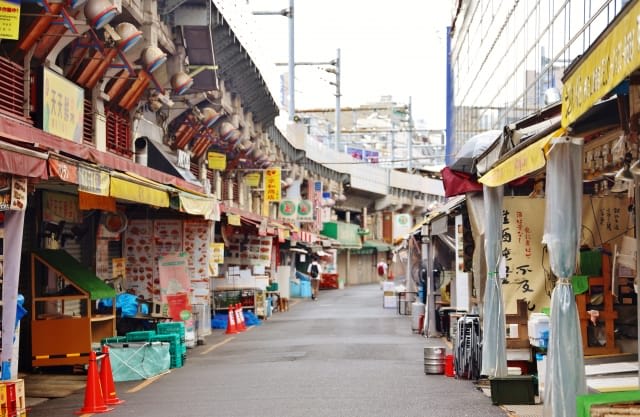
[127, 187]
[528, 160]
[202, 206]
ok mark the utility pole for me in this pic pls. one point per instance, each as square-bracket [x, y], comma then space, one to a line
[410, 144]
[335, 63]
[292, 90]
[336, 143]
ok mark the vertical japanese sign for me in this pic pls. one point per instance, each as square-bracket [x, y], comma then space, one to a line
[523, 255]
[63, 107]
[9, 19]
[272, 189]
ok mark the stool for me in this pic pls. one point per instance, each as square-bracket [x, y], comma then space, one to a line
[283, 304]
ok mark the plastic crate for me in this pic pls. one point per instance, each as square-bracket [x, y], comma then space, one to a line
[140, 336]
[171, 327]
[115, 339]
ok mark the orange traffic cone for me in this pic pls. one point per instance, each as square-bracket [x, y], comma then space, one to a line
[240, 315]
[93, 401]
[106, 380]
[231, 324]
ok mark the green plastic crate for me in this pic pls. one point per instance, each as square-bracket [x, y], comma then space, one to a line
[140, 336]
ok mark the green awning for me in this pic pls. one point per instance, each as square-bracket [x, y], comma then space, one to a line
[345, 233]
[378, 245]
[75, 272]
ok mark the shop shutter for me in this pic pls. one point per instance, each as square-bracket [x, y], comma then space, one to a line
[194, 167]
[87, 128]
[118, 137]
[12, 89]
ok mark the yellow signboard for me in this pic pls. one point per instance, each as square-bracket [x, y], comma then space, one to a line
[272, 190]
[528, 160]
[253, 179]
[608, 62]
[233, 219]
[62, 107]
[9, 19]
[131, 191]
[217, 161]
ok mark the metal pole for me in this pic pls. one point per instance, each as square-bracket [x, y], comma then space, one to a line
[410, 144]
[636, 185]
[338, 126]
[292, 90]
[292, 77]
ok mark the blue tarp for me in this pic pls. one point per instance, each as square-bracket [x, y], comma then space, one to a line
[220, 321]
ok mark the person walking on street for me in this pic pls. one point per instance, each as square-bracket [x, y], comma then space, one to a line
[314, 270]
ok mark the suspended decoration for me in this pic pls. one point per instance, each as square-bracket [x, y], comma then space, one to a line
[210, 117]
[153, 58]
[100, 12]
[129, 36]
[180, 83]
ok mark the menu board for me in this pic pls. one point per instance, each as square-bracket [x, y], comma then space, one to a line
[140, 252]
[167, 236]
[196, 244]
[252, 250]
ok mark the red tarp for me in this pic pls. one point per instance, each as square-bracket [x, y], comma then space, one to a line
[456, 182]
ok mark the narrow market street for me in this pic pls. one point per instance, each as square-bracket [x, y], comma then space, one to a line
[342, 355]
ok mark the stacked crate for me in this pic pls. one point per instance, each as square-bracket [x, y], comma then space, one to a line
[140, 336]
[174, 333]
[12, 398]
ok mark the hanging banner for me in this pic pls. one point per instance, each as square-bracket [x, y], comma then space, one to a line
[93, 181]
[217, 253]
[65, 171]
[604, 220]
[272, 190]
[253, 179]
[63, 107]
[175, 287]
[217, 161]
[304, 211]
[10, 19]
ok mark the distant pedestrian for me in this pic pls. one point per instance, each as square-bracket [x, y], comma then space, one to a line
[314, 270]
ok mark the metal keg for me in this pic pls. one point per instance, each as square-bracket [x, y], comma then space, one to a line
[434, 360]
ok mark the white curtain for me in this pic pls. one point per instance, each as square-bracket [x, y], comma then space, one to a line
[494, 353]
[565, 378]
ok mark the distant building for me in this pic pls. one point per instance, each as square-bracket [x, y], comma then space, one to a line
[379, 133]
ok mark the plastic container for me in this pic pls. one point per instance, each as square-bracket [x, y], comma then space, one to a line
[538, 323]
[541, 362]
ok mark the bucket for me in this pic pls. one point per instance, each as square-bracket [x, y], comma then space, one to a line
[449, 370]
[434, 360]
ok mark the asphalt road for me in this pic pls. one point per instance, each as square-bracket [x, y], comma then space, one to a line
[342, 355]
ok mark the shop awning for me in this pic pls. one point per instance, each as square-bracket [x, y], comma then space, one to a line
[160, 157]
[378, 245]
[602, 67]
[23, 162]
[190, 203]
[75, 272]
[526, 161]
[134, 188]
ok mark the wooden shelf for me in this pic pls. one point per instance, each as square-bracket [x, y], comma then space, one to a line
[607, 313]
